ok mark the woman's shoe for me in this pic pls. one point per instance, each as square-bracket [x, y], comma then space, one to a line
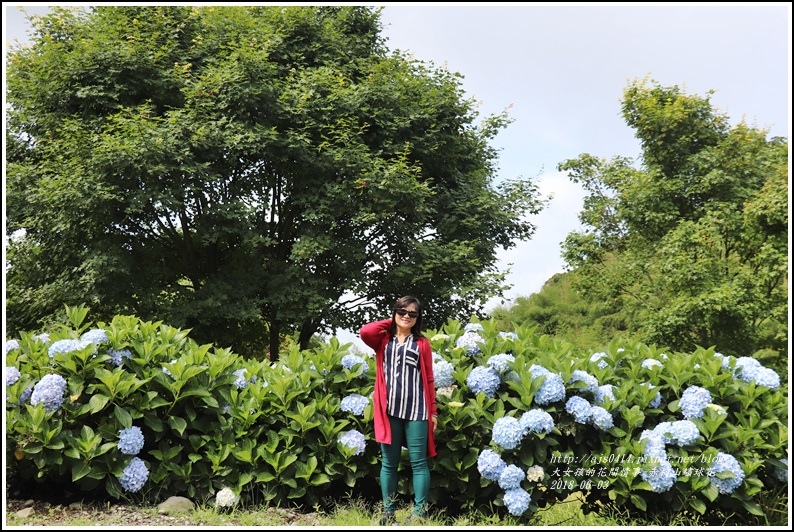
[388, 519]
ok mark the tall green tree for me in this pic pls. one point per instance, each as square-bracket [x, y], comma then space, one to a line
[247, 172]
[694, 241]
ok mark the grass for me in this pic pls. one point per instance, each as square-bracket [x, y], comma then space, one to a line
[357, 513]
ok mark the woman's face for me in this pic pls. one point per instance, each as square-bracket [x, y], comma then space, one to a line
[406, 317]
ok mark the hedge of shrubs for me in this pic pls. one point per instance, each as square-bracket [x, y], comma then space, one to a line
[137, 410]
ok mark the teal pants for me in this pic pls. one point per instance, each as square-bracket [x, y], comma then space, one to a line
[414, 435]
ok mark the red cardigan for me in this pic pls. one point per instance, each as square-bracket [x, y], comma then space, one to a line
[376, 335]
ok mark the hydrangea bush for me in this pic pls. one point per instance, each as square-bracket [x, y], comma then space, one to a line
[137, 410]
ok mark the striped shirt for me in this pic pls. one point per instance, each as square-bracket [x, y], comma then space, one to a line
[405, 397]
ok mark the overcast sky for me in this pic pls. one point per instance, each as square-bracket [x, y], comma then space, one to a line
[561, 68]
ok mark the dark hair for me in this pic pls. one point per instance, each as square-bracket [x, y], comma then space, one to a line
[403, 302]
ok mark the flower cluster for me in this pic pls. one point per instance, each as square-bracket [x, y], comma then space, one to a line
[95, 336]
[442, 372]
[536, 420]
[130, 440]
[591, 383]
[117, 356]
[654, 444]
[67, 346]
[353, 439]
[693, 401]
[601, 418]
[579, 408]
[511, 477]
[507, 432]
[604, 392]
[12, 375]
[517, 501]
[681, 433]
[661, 478]
[134, 476]
[501, 362]
[598, 358]
[726, 473]
[483, 379]
[493, 468]
[350, 361]
[750, 370]
[650, 363]
[225, 498]
[11, 345]
[508, 335]
[535, 473]
[471, 341]
[552, 389]
[49, 391]
[490, 465]
[240, 382]
[354, 403]
[446, 391]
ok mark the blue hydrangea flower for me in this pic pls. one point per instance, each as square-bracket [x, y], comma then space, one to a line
[661, 478]
[354, 403]
[11, 345]
[507, 432]
[590, 381]
[726, 473]
[350, 360]
[130, 440]
[95, 336]
[681, 433]
[473, 327]
[511, 477]
[599, 358]
[240, 381]
[579, 408]
[134, 476]
[117, 356]
[483, 379]
[49, 390]
[353, 439]
[25, 395]
[12, 375]
[724, 361]
[552, 389]
[601, 418]
[537, 421]
[501, 362]
[693, 401]
[508, 335]
[654, 445]
[650, 363]
[744, 363]
[43, 337]
[471, 341]
[442, 372]
[604, 392]
[490, 465]
[762, 376]
[517, 501]
[67, 346]
[779, 473]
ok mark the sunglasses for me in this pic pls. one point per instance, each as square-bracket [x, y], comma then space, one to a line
[410, 313]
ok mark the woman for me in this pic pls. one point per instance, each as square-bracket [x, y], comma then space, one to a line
[404, 402]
